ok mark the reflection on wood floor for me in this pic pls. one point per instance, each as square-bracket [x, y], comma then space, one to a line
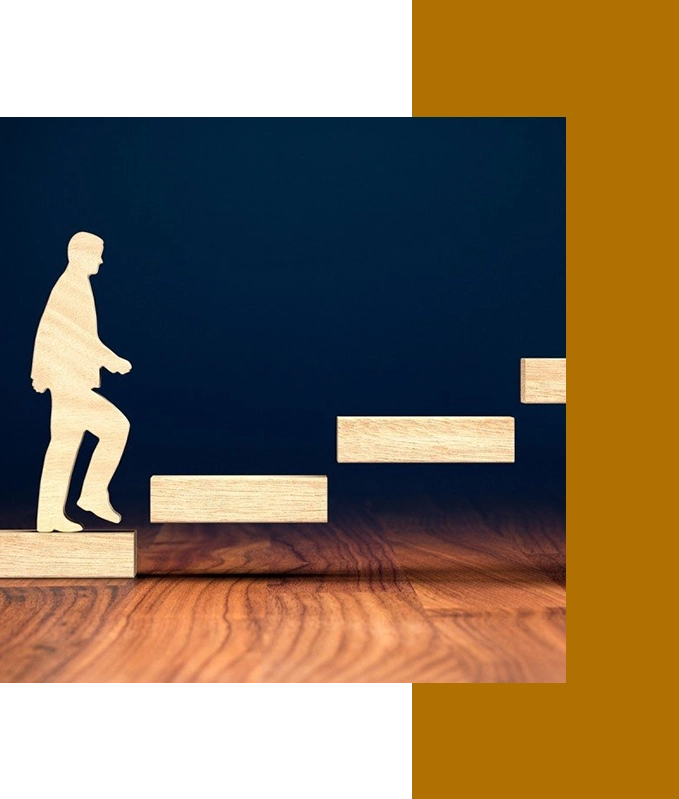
[409, 591]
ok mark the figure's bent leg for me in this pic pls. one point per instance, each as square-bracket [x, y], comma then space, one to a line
[56, 473]
[112, 428]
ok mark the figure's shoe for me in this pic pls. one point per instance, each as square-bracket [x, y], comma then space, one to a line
[100, 506]
[60, 525]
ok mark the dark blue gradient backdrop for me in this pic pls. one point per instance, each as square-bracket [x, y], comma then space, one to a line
[265, 276]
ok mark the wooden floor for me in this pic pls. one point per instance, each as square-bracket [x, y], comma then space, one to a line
[450, 591]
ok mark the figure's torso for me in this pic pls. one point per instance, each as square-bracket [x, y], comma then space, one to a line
[67, 348]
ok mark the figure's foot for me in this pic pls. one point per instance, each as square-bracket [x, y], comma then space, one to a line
[61, 525]
[100, 506]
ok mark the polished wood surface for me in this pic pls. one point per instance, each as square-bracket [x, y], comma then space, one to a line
[400, 590]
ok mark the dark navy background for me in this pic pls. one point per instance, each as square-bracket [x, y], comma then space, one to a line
[265, 276]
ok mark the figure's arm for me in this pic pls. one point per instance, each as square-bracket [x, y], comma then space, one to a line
[67, 341]
[39, 379]
[40, 368]
[112, 362]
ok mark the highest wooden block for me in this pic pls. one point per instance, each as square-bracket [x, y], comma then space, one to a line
[425, 439]
[543, 380]
[239, 498]
[26, 553]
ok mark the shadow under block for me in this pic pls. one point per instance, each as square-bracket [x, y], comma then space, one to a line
[26, 553]
[239, 498]
[425, 439]
[543, 380]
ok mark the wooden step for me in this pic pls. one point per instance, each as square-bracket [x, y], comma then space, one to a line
[543, 380]
[239, 498]
[27, 553]
[425, 439]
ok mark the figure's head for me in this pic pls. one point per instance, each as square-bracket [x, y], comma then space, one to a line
[85, 251]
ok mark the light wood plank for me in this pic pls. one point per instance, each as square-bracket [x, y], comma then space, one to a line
[27, 553]
[425, 439]
[543, 380]
[239, 498]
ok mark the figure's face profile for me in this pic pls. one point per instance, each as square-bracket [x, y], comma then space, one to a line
[85, 251]
[95, 261]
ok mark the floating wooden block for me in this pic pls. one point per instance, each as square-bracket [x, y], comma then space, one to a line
[543, 380]
[425, 439]
[239, 498]
[26, 553]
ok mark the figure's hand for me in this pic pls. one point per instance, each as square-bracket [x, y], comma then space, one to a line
[39, 385]
[120, 366]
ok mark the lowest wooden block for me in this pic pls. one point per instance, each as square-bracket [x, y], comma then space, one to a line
[26, 553]
[239, 498]
[425, 439]
[543, 380]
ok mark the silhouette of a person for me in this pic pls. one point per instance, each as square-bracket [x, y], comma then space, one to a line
[67, 358]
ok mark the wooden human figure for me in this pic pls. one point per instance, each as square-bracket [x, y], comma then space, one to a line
[67, 358]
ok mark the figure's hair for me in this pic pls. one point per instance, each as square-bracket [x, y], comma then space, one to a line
[83, 243]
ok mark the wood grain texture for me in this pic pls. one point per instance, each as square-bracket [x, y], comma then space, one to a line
[67, 360]
[26, 553]
[543, 380]
[434, 591]
[425, 439]
[239, 498]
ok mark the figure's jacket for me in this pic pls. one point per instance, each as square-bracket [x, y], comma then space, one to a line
[68, 353]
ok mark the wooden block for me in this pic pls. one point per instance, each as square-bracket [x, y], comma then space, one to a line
[425, 439]
[26, 553]
[543, 380]
[239, 498]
